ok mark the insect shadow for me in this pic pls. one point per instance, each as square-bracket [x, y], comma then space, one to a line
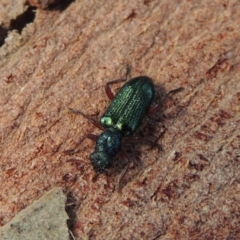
[122, 119]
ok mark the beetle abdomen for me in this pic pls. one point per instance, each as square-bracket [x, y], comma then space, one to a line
[129, 106]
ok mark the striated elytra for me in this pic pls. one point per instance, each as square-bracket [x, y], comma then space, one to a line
[121, 119]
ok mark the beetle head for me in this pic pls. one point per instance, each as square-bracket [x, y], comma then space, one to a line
[100, 161]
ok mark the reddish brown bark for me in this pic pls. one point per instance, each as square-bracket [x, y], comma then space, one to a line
[63, 58]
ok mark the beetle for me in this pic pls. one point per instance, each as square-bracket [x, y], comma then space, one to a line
[121, 119]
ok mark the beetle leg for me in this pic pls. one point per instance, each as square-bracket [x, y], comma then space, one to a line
[74, 150]
[153, 109]
[95, 177]
[79, 163]
[93, 137]
[123, 173]
[175, 91]
[93, 121]
[108, 89]
[138, 139]
[74, 160]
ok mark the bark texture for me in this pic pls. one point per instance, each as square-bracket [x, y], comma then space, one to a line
[62, 57]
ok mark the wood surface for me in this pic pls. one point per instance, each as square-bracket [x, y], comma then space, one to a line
[55, 55]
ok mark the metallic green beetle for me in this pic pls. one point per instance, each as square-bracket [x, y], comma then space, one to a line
[121, 119]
